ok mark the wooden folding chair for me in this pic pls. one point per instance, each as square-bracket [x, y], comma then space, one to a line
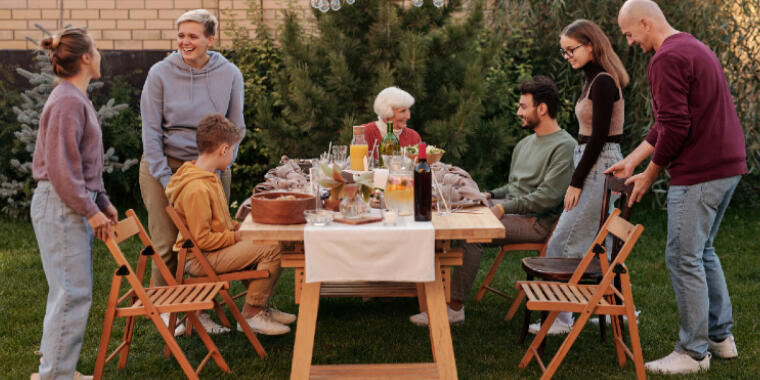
[562, 268]
[539, 247]
[602, 299]
[190, 249]
[151, 302]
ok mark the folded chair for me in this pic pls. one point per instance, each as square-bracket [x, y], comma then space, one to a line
[151, 302]
[190, 249]
[562, 268]
[603, 299]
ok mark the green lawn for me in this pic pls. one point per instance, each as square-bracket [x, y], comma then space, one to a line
[352, 331]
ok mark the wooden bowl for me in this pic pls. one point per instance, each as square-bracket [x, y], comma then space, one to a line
[280, 207]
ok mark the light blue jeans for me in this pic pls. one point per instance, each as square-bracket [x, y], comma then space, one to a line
[577, 228]
[65, 241]
[694, 215]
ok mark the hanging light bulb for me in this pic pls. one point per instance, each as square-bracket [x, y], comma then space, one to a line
[438, 3]
[350, 2]
[335, 5]
[417, 3]
[324, 6]
[315, 3]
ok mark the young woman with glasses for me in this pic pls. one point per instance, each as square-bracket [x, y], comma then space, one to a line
[599, 110]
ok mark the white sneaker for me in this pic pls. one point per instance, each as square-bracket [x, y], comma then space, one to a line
[725, 349]
[595, 320]
[77, 376]
[178, 330]
[280, 316]
[262, 323]
[558, 328]
[455, 317]
[678, 363]
[211, 326]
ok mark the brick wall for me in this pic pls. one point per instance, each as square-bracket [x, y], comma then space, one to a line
[127, 24]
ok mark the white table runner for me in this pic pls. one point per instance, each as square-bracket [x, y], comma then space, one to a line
[370, 252]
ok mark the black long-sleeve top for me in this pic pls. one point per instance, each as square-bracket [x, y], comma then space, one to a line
[603, 95]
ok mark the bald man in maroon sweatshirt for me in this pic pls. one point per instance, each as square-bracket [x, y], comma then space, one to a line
[697, 137]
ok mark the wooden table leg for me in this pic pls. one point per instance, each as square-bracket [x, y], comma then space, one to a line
[440, 334]
[305, 329]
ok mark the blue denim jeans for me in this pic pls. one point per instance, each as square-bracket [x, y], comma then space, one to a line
[704, 307]
[65, 241]
[577, 228]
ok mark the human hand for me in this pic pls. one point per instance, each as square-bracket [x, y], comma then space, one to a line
[641, 183]
[101, 225]
[487, 194]
[237, 236]
[571, 197]
[496, 210]
[621, 169]
[112, 214]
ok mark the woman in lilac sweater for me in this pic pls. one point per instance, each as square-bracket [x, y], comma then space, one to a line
[69, 203]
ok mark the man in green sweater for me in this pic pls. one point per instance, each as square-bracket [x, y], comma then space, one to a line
[531, 201]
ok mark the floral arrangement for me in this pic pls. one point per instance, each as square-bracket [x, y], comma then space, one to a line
[345, 185]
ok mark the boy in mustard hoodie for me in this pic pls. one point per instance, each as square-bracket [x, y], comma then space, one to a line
[197, 195]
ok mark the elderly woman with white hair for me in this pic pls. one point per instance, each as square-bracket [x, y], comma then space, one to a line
[392, 104]
[179, 91]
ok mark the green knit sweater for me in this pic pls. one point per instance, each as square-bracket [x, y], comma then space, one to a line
[540, 172]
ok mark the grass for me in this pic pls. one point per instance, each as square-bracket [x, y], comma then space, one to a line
[352, 331]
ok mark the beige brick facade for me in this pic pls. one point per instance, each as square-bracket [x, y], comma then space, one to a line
[129, 24]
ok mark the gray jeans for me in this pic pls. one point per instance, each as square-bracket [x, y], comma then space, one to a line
[65, 241]
[520, 229]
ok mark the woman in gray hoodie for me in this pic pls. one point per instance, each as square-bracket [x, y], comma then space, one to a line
[179, 91]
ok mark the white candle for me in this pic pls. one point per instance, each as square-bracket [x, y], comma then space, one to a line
[380, 178]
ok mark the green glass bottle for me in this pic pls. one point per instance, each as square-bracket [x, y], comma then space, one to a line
[390, 145]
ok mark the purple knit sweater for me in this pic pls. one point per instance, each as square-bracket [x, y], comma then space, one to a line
[69, 150]
[696, 133]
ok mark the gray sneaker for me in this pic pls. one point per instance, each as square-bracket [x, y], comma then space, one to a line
[725, 349]
[262, 323]
[455, 317]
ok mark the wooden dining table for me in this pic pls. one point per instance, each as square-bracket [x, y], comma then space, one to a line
[474, 225]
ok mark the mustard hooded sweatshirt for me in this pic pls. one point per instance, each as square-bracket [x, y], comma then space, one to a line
[199, 199]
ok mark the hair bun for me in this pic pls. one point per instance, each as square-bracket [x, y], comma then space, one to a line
[55, 42]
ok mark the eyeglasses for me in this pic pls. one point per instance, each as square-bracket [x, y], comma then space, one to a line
[569, 53]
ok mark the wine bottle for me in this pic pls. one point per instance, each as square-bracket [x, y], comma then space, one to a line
[390, 145]
[423, 187]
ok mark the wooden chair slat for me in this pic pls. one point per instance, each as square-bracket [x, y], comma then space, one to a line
[569, 294]
[548, 292]
[578, 294]
[537, 292]
[558, 293]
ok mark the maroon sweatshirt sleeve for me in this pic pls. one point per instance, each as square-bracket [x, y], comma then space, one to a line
[669, 81]
[63, 158]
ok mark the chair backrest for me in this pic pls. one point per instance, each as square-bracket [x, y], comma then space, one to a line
[621, 229]
[189, 246]
[125, 229]
[617, 185]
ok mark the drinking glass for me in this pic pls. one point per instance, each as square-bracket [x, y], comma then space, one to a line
[314, 174]
[443, 198]
[339, 155]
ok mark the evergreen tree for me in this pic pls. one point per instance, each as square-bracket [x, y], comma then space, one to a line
[328, 81]
[16, 190]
